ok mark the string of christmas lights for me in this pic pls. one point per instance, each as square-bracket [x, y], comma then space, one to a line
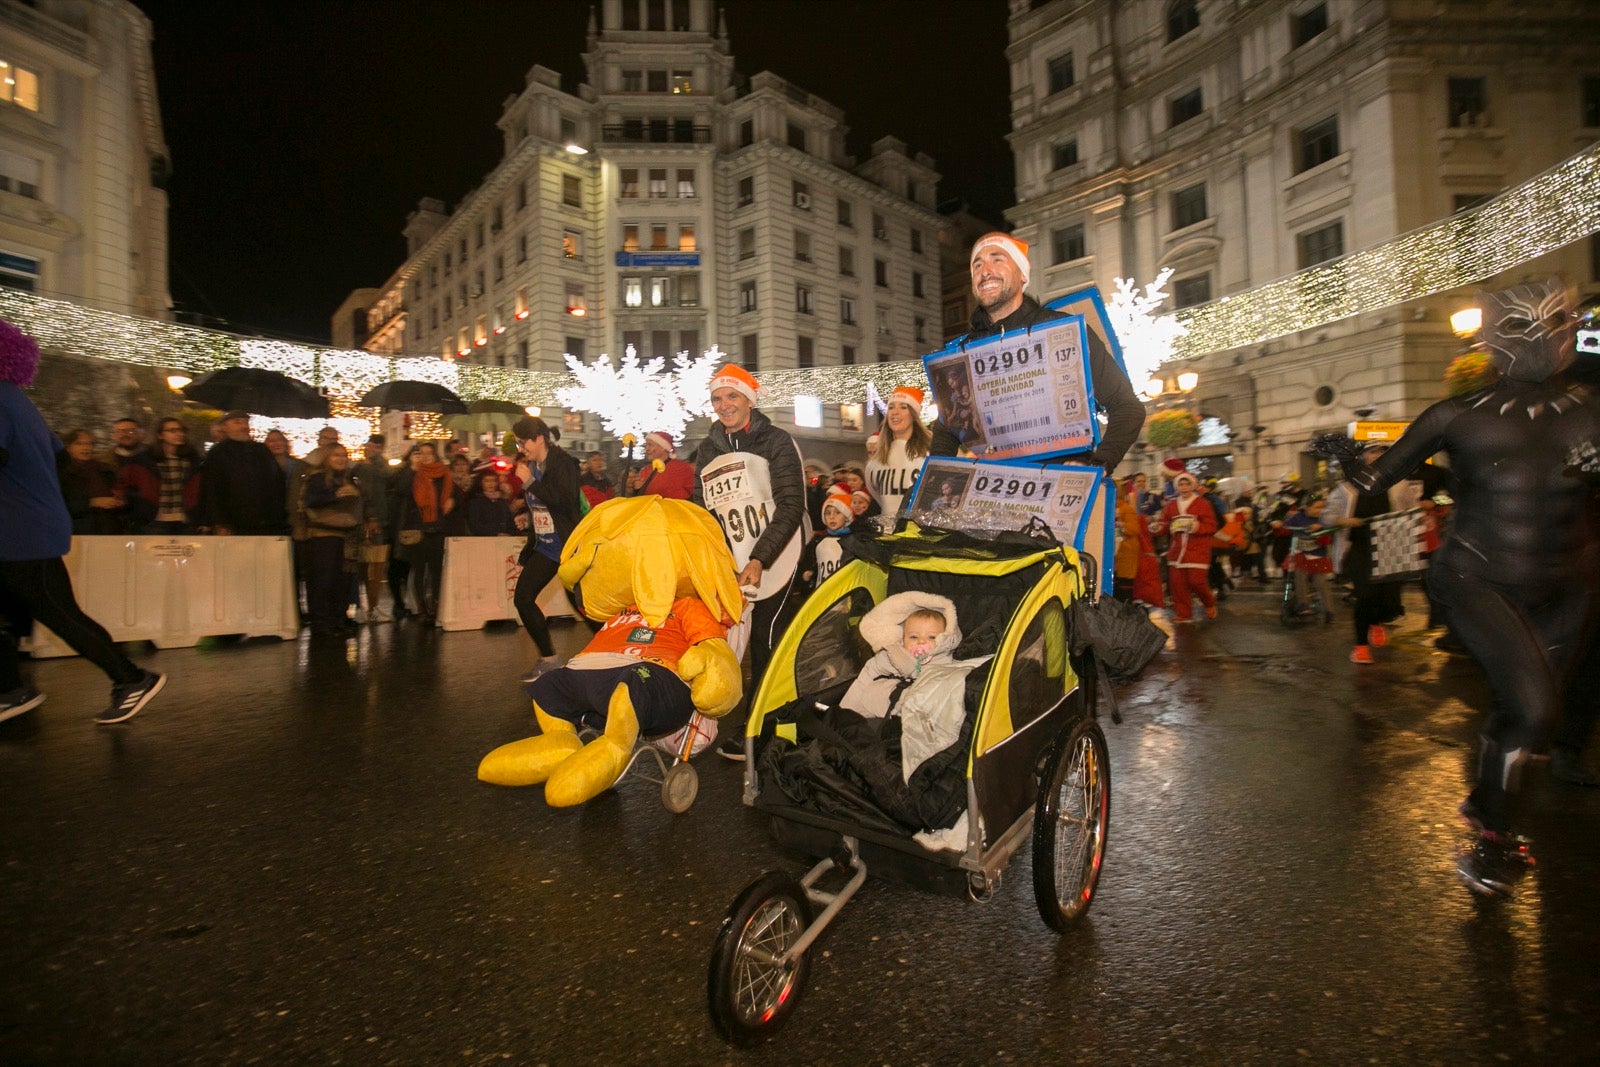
[1543, 214]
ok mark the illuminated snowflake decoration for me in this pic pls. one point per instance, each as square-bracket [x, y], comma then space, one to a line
[1148, 338]
[637, 396]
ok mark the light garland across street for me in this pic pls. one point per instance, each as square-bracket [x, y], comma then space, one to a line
[1545, 213]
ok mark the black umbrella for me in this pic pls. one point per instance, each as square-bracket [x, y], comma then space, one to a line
[406, 395]
[258, 391]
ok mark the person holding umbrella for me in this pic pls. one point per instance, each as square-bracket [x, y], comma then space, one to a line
[241, 485]
[550, 490]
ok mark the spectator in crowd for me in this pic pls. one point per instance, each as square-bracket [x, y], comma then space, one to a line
[375, 478]
[127, 442]
[596, 484]
[327, 437]
[489, 506]
[850, 474]
[89, 487]
[455, 523]
[294, 472]
[337, 520]
[893, 467]
[35, 534]
[241, 484]
[663, 474]
[863, 507]
[162, 484]
[1377, 603]
[426, 498]
[751, 476]
[551, 495]
[1190, 521]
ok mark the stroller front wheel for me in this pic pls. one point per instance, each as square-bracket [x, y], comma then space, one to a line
[752, 990]
[1070, 825]
[679, 788]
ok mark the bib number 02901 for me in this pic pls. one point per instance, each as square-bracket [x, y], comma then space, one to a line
[741, 522]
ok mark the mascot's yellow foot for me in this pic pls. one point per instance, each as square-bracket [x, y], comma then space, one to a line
[530, 761]
[596, 767]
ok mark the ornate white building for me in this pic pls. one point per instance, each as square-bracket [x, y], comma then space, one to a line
[670, 204]
[83, 163]
[1238, 141]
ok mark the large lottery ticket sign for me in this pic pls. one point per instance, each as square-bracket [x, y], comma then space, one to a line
[984, 498]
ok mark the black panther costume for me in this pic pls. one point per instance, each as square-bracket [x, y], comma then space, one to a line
[1514, 570]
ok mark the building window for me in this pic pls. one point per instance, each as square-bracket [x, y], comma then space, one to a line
[804, 352]
[1468, 102]
[919, 330]
[499, 267]
[497, 220]
[689, 290]
[634, 340]
[572, 190]
[632, 80]
[1066, 244]
[747, 191]
[747, 133]
[19, 86]
[747, 244]
[658, 237]
[1320, 245]
[655, 81]
[464, 342]
[660, 344]
[522, 195]
[846, 214]
[685, 184]
[1183, 17]
[750, 352]
[630, 237]
[1186, 107]
[519, 306]
[1064, 154]
[802, 246]
[883, 321]
[571, 244]
[686, 242]
[795, 135]
[573, 346]
[916, 283]
[847, 355]
[880, 273]
[1189, 206]
[847, 262]
[1060, 72]
[576, 304]
[747, 296]
[802, 196]
[522, 354]
[632, 292]
[1187, 292]
[911, 190]
[880, 228]
[847, 311]
[630, 183]
[1318, 143]
[689, 341]
[658, 184]
[522, 248]
[1308, 24]
[660, 292]
[802, 299]
[916, 240]
[20, 174]
[480, 331]
[955, 315]
[1591, 103]
[477, 241]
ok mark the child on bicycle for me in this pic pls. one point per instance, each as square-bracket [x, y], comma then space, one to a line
[1308, 559]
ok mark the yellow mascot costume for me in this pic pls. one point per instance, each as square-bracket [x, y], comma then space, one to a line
[658, 574]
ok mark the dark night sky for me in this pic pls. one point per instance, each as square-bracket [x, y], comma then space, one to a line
[302, 133]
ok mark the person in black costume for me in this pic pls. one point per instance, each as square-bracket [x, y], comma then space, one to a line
[1516, 569]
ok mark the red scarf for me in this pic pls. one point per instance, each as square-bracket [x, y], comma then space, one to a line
[425, 490]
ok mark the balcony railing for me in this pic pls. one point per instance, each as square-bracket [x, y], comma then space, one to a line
[656, 133]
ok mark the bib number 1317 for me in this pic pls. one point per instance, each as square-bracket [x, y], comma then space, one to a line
[739, 523]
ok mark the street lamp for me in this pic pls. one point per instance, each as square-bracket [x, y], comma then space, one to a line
[1466, 322]
[176, 382]
[1187, 381]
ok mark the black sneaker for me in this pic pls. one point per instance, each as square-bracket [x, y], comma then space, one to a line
[1494, 864]
[20, 701]
[732, 748]
[128, 699]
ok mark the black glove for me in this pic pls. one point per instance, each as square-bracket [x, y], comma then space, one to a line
[1338, 446]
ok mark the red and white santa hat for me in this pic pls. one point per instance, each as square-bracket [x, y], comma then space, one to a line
[838, 497]
[661, 439]
[1015, 249]
[739, 380]
[908, 394]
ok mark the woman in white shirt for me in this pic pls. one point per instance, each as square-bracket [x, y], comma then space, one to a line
[903, 443]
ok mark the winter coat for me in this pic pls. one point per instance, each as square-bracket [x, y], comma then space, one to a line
[879, 685]
[761, 438]
[242, 488]
[675, 480]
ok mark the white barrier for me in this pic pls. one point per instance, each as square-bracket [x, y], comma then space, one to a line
[175, 590]
[477, 586]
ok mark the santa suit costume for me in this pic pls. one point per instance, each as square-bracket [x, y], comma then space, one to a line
[1191, 520]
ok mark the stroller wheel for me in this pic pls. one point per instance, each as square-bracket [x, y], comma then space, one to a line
[1070, 825]
[679, 788]
[752, 991]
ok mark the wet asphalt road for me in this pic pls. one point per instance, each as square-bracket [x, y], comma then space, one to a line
[287, 858]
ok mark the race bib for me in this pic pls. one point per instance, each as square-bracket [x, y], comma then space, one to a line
[737, 489]
[543, 524]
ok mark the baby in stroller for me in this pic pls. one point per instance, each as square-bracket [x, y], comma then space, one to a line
[890, 751]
